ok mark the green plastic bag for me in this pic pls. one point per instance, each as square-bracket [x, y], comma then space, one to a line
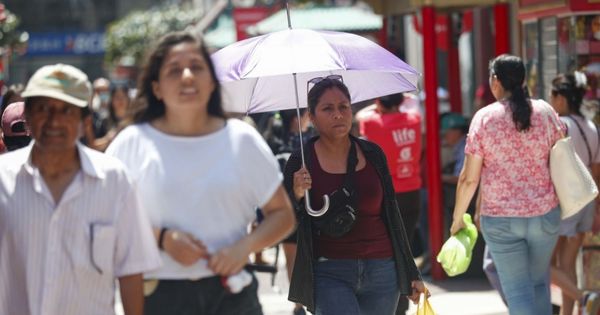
[457, 251]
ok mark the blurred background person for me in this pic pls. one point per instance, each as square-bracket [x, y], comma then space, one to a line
[100, 106]
[15, 131]
[119, 115]
[12, 95]
[454, 128]
[566, 97]
[290, 142]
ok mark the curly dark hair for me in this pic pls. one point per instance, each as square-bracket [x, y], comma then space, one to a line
[148, 107]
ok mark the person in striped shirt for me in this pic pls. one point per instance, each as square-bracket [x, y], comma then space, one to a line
[69, 220]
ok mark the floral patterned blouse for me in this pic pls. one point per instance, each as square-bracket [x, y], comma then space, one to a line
[515, 178]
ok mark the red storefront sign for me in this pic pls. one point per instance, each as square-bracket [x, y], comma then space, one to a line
[244, 17]
[441, 27]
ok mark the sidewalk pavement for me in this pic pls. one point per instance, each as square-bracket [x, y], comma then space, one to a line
[472, 296]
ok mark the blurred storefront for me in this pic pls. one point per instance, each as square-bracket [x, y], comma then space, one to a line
[559, 36]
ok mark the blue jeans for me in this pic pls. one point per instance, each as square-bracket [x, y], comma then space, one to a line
[356, 286]
[521, 249]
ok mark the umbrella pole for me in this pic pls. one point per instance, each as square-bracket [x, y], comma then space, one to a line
[309, 210]
[289, 19]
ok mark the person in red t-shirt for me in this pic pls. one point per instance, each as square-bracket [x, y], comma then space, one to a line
[398, 133]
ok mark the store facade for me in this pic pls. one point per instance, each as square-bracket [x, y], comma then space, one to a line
[559, 36]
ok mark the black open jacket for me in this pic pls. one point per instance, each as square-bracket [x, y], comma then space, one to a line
[302, 283]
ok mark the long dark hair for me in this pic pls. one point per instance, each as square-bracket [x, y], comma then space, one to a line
[317, 91]
[510, 71]
[148, 107]
[573, 87]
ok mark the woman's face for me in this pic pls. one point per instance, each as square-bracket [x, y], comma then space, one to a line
[184, 79]
[333, 114]
[120, 102]
[559, 103]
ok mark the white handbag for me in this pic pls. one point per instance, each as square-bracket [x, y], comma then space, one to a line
[573, 183]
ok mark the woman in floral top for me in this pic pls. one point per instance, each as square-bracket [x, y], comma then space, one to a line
[508, 149]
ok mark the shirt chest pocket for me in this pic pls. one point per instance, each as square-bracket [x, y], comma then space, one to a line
[102, 247]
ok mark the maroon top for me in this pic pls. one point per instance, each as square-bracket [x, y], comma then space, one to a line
[368, 238]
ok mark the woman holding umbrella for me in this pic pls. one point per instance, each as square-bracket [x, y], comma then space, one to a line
[363, 264]
[200, 176]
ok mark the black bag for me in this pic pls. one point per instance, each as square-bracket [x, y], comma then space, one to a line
[341, 216]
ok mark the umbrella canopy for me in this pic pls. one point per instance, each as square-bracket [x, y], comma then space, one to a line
[256, 74]
[270, 72]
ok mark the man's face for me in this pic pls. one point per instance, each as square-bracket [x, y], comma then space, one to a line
[54, 124]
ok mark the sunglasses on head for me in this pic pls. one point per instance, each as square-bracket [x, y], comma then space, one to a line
[315, 81]
[329, 77]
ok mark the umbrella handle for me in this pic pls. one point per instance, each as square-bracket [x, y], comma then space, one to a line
[315, 213]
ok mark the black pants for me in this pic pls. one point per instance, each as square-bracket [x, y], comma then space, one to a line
[410, 207]
[201, 297]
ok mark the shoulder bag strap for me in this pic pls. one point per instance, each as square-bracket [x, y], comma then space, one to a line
[553, 120]
[587, 145]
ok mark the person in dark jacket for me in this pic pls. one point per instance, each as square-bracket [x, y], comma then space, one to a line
[368, 266]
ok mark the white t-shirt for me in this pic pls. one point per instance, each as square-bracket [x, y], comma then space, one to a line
[579, 143]
[209, 185]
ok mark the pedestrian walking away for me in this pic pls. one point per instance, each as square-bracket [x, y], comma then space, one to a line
[69, 218]
[508, 148]
[15, 131]
[566, 98]
[355, 259]
[200, 177]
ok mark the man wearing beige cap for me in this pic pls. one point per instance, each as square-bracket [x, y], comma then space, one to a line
[69, 220]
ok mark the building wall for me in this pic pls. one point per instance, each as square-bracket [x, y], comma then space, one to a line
[67, 16]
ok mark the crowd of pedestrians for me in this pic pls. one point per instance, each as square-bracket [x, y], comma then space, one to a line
[163, 215]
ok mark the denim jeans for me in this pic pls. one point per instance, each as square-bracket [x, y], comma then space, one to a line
[521, 248]
[356, 286]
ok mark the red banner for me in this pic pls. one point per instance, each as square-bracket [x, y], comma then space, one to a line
[244, 17]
